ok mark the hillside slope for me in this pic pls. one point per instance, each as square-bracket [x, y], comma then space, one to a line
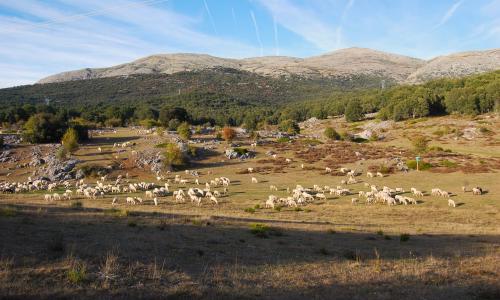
[343, 63]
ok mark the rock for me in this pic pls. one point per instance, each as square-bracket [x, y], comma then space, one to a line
[79, 174]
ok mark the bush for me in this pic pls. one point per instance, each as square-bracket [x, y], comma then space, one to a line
[422, 166]
[289, 126]
[174, 156]
[184, 131]
[93, 170]
[354, 111]
[77, 273]
[44, 128]
[173, 124]
[331, 133]
[148, 123]
[70, 140]
[228, 134]
[283, 139]
[420, 144]
[259, 230]
[61, 153]
[1, 141]
[240, 151]
[449, 164]
[250, 210]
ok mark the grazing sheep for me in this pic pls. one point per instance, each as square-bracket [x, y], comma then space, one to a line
[114, 202]
[213, 199]
[477, 191]
[451, 203]
[250, 170]
[418, 194]
[380, 174]
[56, 196]
[271, 201]
[149, 194]
[130, 200]
[464, 189]
[99, 149]
[273, 188]
[354, 200]
[320, 196]
[48, 197]
[328, 170]
[288, 160]
[369, 174]
[254, 180]
[155, 200]
[302, 166]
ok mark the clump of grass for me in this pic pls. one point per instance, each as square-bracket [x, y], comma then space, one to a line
[449, 164]
[250, 210]
[8, 212]
[77, 272]
[260, 230]
[116, 212]
[422, 166]
[197, 222]
[257, 206]
[109, 267]
[277, 208]
[484, 130]
[283, 139]
[404, 237]
[131, 223]
[77, 205]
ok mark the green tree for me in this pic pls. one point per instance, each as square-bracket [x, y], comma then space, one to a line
[173, 124]
[70, 140]
[174, 157]
[184, 131]
[43, 128]
[170, 113]
[331, 133]
[289, 126]
[354, 111]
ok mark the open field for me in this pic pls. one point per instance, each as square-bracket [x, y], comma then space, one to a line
[328, 248]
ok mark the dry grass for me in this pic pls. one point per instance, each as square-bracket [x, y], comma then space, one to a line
[238, 249]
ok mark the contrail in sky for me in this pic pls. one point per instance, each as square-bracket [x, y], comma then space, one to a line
[257, 33]
[210, 16]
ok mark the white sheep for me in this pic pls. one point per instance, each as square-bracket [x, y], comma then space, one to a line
[250, 170]
[369, 174]
[114, 202]
[273, 188]
[320, 196]
[451, 203]
[155, 200]
[130, 200]
[354, 200]
[328, 170]
[48, 197]
[379, 174]
[254, 180]
[477, 191]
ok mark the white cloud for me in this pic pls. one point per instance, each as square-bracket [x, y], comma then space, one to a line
[257, 32]
[93, 33]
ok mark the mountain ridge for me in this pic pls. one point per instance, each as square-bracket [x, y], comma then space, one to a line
[340, 63]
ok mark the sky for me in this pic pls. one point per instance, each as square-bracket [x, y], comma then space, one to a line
[43, 37]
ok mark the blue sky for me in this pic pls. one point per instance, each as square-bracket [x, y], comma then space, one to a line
[43, 37]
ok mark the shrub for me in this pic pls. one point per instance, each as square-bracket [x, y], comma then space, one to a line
[449, 164]
[250, 210]
[422, 166]
[289, 126]
[93, 170]
[131, 223]
[1, 142]
[174, 156]
[241, 151]
[173, 124]
[419, 144]
[283, 139]
[70, 140]
[259, 230]
[228, 134]
[184, 131]
[44, 128]
[354, 111]
[61, 153]
[7, 212]
[77, 272]
[148, 123]
[331, 133]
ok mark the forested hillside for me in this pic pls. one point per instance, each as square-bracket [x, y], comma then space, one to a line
[227, 96]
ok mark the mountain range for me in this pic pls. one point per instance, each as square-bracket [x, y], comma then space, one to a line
[345, 63]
